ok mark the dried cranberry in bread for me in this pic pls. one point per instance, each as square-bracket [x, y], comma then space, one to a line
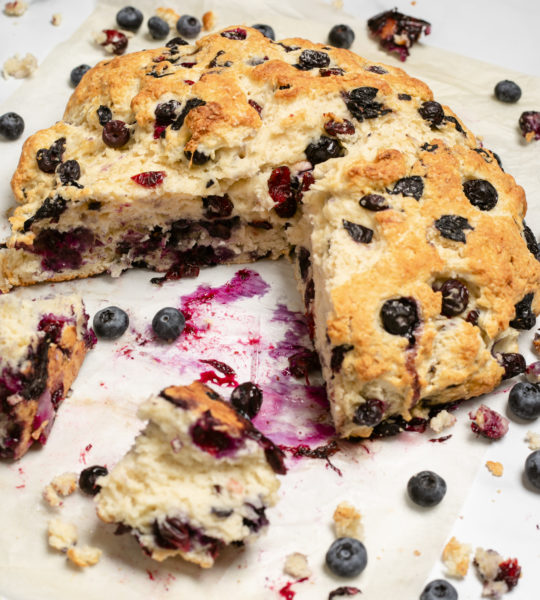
[42, 346]
[198, 477]
[414, 261]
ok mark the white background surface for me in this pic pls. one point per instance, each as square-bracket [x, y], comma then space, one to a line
[504, 33]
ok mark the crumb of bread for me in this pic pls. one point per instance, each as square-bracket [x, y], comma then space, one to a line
[296, 565]
[536, 342]
[441, 421]
[495, 468]
[15, 9]
[56, 19]
[533, 439]
[209, 20]
[337, 4]
[348, 521]
[85, 556]
[19, 67]
[61, 486]
[417, 553]
[169, 15]
[456, 557]
[51, 497]
[498, 575]
[62, 534]
[65, 484]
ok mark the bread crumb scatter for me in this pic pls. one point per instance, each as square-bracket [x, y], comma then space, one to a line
[18, 67]
[85, 556]
[62, 535]
[15, 9]
[441, 421]
[348, 521]
[456, 558]
[296, 565]
[495, 468]
[209, 20]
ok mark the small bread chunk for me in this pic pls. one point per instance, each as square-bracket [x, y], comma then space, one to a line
[533, 440]
[197, 478]
[296, 565]
[209, 20]
[441, 421]
[15, 9]
[61, 486]
[56, 19]
[169, 15]
[43, 343]
[62, 535]
[20, 67]
[456, 557]
[499, 576]
[495, 468]
[348, 521]
[85, 556]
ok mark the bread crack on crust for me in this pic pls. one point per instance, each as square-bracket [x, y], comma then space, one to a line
[411, 252]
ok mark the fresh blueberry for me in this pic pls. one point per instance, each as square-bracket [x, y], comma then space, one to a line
[439, 589]
[346, 557]
[188, 26]
[87, 479]
[341, 36]
[426, 488]
[129, 18]
[168, 323]
[507, 91]
[11, 126]
[77, 74]
[524, 400]
[158, 28]
[110, 323]
[266, 30]
[247, 399]
[532, 468]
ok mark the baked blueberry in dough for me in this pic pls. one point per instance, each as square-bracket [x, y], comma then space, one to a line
[413, 259]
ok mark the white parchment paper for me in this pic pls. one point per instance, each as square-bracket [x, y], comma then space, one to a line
[96, 424]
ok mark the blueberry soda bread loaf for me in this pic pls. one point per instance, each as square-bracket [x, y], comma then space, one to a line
[198, 477]
[412, 255]
[42, 346]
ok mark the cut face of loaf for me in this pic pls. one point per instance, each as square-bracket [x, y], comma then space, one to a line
[42, 346]
[416, 267]
[199, 477]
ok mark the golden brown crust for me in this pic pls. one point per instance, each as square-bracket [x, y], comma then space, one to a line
[256, 105]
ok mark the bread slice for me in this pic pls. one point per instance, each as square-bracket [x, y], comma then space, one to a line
[413, 258]
[42, 346]
[199, 477]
